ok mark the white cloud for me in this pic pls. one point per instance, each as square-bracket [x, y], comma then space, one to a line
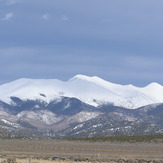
[64, 18]
[8, 16]
[45, 16]
[11, 2]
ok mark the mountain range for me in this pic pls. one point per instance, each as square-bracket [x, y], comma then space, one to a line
[81, 106]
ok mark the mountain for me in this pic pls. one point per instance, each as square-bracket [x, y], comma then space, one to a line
[81, 106]
[120, 121]
[90, 90]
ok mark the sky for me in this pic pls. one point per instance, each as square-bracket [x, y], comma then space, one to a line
[117, 40]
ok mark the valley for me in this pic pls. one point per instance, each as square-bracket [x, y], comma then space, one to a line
[86, 151]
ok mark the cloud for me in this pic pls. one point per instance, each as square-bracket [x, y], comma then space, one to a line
[45, 16]
[8, 16]
[64, 18]
[11, 2]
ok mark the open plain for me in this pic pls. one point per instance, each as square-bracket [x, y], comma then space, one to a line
[39, 151]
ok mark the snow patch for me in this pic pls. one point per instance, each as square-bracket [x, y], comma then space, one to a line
[10, 123]
[45, 116]
[85, 116]
[78, 126]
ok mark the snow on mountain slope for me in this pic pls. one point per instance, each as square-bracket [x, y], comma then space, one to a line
[91, 90]
[154, 90]
[30, 89]
[44, 116]
[6, 116]
[10, 123]
[84, 116]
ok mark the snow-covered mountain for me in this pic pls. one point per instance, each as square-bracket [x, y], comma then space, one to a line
[81, 106]
[90, 90]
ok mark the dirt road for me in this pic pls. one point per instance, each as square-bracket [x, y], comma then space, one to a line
[103, 151]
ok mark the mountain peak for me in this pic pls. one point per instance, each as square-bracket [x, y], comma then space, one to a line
[93, 79]
[83, 77]
[154, 84]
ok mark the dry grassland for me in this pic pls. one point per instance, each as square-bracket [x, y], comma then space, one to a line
[56, 151]
[29, 160]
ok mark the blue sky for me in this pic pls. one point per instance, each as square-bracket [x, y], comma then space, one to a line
[117, 40]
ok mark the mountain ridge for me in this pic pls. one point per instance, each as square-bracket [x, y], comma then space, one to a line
[91, 90]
